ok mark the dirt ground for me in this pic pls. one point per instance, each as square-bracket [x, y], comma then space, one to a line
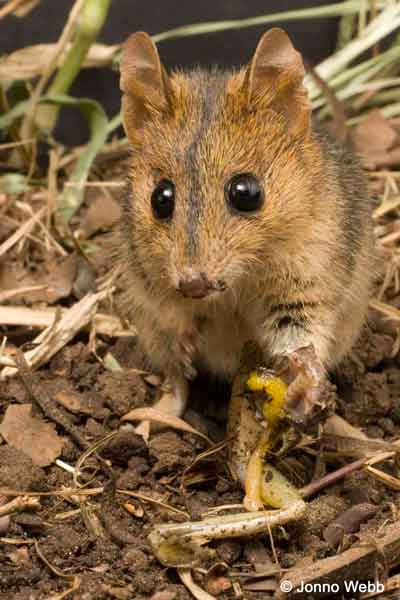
[99, 545]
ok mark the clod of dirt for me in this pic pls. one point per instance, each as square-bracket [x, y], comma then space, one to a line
[18, 472]
[393, 382]
[322, 511]
[387, 425]
[229, 550]
[94, 430]
[134, 559]
[121, 391]
[32, 524]
[124, 446]
[375, 349]
[132, 477]
[257, 555]
[360, 488]
[63, 541]
[201, 502]
[370, 399]
[69, 361]
[145, 582]
[170, 452]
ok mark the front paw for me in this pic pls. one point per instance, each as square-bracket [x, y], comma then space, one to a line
[310, 395]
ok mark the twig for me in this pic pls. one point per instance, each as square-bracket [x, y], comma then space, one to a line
[73, 579]
[10, 7]
[352, 565]
[178, 545]
[145, 498]
[196, 591]
[19, 504]
[16, 144]
[8, 294]
[315, 486]
[41, 397]
[336, 106]
[40, 318]
[63, 330]
[23, 230]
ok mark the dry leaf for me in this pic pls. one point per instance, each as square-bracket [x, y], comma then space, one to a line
[70, 400]
[374, 133]
[152, 414]
[4, 521]
[20, 556]
[348, 522]
[196, 591]
[102, 214]
[30, 62]
[136, 511]
[336, 425]
[53, 280]
[218, 584]
[119, 593]
[373, 138]
[34, 437]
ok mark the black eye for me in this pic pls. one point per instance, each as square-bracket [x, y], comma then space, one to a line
[244, 193]
[163, 199]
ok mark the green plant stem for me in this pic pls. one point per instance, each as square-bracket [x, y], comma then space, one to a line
[331, 10]
[90, 22]
[373, 86]
[388, 111]
[346, 30]
[384, 24]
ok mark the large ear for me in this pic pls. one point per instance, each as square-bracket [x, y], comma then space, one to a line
[274, 79]
[144, 83]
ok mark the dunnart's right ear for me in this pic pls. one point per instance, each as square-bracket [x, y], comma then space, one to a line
[274, 80]
[144, 82]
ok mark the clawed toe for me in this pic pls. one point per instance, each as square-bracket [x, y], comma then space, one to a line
[310, 394]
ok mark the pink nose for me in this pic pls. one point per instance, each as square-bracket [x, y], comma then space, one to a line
[193, 284]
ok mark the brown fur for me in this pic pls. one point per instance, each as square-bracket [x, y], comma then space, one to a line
[297, 272]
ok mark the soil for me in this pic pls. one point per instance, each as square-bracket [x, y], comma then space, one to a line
[102, 547]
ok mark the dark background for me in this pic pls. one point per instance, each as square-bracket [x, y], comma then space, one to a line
[316, 39]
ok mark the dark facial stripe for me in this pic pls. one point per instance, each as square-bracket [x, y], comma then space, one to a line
[210, 86]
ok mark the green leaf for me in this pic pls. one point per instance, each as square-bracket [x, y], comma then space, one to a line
[13, 183]
[73, 195]
[15, 113]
